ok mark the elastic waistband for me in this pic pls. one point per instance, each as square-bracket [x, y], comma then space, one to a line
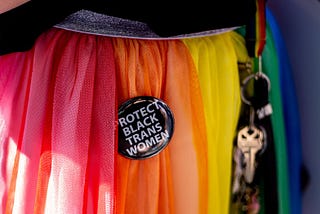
[86, 21]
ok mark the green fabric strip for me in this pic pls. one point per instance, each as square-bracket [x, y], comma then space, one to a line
[270, 66]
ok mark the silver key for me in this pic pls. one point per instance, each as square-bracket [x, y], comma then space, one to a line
[250, 140]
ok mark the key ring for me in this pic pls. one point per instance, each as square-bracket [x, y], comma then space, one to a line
[246, 81]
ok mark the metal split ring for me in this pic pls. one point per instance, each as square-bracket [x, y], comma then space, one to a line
[246, 81]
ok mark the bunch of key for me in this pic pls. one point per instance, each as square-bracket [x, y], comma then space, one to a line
[251, 140]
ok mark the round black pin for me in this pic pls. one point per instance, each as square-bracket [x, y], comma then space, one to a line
[145, 127]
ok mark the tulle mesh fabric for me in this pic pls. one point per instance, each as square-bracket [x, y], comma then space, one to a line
[57, 110]
[175, 181]
[58, 133]
[216, 60]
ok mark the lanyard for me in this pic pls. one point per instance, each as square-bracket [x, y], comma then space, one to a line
[256, 31]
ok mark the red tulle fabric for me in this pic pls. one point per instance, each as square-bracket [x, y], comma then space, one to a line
[57, 130]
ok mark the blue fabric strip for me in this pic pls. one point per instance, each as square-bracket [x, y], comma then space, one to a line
[291, 116]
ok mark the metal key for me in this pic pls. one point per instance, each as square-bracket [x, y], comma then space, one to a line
[250, 140]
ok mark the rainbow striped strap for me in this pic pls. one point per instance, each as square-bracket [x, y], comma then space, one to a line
[256, 30]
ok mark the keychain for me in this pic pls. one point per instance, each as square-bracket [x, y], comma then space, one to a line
[251, 141]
